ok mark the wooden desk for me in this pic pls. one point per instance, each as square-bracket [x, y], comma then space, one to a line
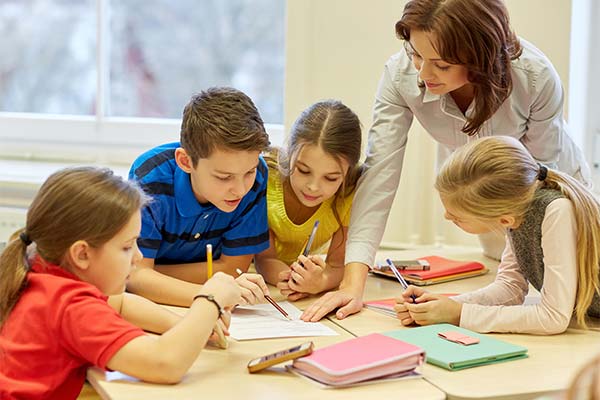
[222, 374]
[552, 361]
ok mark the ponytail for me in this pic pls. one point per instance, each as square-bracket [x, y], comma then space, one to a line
[12, 274]
[587, 217]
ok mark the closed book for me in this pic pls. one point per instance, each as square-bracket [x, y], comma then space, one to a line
[455, 356]
[360, 359]
[440, 270]
[383, 306]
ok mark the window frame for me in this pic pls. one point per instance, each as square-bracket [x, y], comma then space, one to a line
[96, 138]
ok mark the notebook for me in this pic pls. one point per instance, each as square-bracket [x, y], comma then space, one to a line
[386, 306]
[360, 359]
[440, 270]
[455, 356]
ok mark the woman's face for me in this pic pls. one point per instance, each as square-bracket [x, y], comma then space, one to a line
[439, 76]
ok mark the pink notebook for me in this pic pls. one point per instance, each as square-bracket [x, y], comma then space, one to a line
[440, 266]
[360, 359]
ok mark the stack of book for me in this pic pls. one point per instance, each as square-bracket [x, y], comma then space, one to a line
[439, 270]
[362, 359]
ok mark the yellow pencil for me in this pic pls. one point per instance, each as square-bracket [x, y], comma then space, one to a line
[209, 269]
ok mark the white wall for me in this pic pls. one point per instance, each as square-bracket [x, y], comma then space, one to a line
[337, 49]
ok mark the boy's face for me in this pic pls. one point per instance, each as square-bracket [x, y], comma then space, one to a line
[223, 178]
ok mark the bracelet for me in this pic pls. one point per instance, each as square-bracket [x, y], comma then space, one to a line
[212, 299]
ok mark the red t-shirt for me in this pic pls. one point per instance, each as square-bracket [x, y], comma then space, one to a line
[59, 327]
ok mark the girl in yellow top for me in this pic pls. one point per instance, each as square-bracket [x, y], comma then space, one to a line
[312, 179]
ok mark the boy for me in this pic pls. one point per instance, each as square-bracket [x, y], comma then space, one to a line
[208, 189]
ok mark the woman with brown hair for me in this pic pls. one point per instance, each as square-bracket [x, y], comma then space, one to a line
[463, 74]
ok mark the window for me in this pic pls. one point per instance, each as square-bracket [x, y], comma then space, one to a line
[114, 76]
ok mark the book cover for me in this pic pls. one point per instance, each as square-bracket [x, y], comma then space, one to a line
[454, 356]
[360, 359]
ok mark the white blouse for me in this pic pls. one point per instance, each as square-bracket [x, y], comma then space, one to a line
[533, 113]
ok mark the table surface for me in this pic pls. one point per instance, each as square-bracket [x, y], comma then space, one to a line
[552, 361]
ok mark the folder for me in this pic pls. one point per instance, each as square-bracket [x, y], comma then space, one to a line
[360, 359]
[440, 270]
[455, 356]
[386, 306]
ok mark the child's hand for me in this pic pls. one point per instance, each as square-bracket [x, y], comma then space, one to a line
[224, 289]
[402, 312]
[284, 287]
[253, 288]
[413, 294]
[433, 309]
[307, 277]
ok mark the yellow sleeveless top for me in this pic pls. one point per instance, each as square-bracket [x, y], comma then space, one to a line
[289, 238]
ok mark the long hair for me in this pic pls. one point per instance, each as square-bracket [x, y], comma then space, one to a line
[334, 128]
[473, 33]
[495, 176]
[83, 203]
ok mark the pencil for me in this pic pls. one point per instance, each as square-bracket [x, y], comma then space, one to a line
[400, 278]
[209, 267]
[270, 300]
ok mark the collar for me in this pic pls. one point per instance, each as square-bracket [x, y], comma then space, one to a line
[185, 200]
[429, 97]
[40, 266]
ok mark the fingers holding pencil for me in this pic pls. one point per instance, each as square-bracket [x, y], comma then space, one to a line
[265, 294]
[254, 288]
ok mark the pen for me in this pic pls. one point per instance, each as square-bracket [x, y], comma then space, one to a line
[270, 300]
[209, 268]
[310, 239]
[400, 278]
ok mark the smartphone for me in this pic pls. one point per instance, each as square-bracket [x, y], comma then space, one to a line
[258, 364]
[407, 265]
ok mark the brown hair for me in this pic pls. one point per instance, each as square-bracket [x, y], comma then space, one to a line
[473, 33]
[83, 203]
[336, 129]
[495, 176]
[221, 117]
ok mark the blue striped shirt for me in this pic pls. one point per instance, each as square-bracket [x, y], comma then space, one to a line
[176, 228]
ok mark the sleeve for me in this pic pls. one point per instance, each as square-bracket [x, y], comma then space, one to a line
[249, 232]
[150, 235]
[546, 125]
[553, 314]
[93, 331]
[379, 182]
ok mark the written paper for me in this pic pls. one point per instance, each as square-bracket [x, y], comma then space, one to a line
[263, 321]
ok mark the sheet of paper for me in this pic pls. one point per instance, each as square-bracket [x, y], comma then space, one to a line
[263, 321]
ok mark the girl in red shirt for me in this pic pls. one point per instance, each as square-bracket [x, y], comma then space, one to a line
[55, 319]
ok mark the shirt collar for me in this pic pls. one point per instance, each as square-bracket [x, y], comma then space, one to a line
[38, 265]
[185, 200]
[428, 97]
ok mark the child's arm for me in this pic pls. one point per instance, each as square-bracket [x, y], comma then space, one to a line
[166, 358]
[177, 284]
[143, 313]
[267, 264]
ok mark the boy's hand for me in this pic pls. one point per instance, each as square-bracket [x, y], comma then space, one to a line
[307, 274]
[253, 288]
[433, 309]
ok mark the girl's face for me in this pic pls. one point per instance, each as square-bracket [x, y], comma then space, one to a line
[316, 175]
[466, 222]
[110, 264]
[439, 76]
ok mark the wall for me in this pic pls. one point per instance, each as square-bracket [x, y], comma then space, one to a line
[337, 49]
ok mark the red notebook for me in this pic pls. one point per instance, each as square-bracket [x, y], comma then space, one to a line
[360, 359]
[440, 270]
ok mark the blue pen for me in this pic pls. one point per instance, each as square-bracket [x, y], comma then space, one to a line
[400, 278]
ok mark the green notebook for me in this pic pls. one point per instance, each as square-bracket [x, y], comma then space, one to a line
[455, 356]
